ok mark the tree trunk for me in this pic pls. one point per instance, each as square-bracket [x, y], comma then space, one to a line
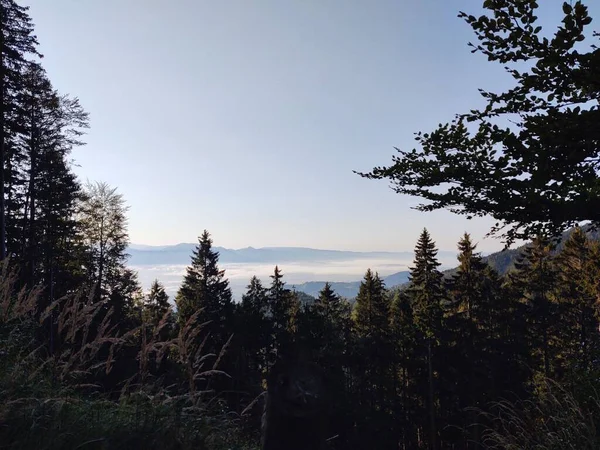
[2, 146]
[432, 431]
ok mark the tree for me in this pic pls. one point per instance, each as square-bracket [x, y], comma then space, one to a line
[371, 310]
[44, 209]
[426, 293]
[578, 333]
[534, 284]
[157, 305]
[205, 289]
[332, 315]
[473, 315]
[373, 357]
[17, 43]
[284, 309]
[426, 289]
[104, 229]
[539, 174]
[468, 283]
[255, 326]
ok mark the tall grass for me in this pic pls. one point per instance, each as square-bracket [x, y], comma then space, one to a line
[557, 418]
[48, 400]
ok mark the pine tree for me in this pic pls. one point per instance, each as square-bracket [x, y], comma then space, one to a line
[17, 44]
[206, 289]
[59, 197]
[579, 338]
[326, 327]
[157, 306]
[534, 284]
[51, 128]
[467, 284]
[284, 310]
[426, 294]
[333, 318]
[373, 363]
[371, 310]
[255, 326]
[474, 293]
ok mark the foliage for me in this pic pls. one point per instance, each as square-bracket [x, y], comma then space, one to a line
[529, 158]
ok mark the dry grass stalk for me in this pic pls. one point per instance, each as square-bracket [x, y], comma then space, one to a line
[15, 305]
[555, 420]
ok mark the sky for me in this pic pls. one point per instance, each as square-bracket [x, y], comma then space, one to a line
[247, 117]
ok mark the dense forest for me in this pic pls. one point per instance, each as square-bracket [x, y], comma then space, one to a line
[476, 359]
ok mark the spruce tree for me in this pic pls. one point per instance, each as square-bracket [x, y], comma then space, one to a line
[577, 302]
[534, 284]
[426, 294]
[255, 327]
[371, 308]
[206, 289]
[17, 45]
[284, 309]
[158, 307]
[52, 125]
[474, 292]
[333, 320]
[426, 289]
[326, 327]
[373, 361]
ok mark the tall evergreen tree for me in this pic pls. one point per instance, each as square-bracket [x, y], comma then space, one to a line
[332, 322]
[534, 284]
[255, 326]
[52, 126]
[17, 45]
[426, 293]
[206, 289]
[371, 310]
[373, 356]
[284, 309]
[579, 337]
[474, 293]
[157, 306]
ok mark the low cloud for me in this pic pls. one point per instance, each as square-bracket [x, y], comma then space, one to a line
[239, 274]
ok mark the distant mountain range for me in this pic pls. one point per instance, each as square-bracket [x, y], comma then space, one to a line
[144, 255]
[503, 261]
[349, 289]
[146, 259]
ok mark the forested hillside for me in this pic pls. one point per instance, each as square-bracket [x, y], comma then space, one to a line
[481, 358]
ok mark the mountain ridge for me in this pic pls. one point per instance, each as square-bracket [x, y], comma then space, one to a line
[140, 255]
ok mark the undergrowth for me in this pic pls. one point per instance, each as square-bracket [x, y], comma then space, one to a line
[556, 418]
[50, 401]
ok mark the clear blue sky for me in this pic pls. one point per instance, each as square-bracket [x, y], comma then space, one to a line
[247, 117]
